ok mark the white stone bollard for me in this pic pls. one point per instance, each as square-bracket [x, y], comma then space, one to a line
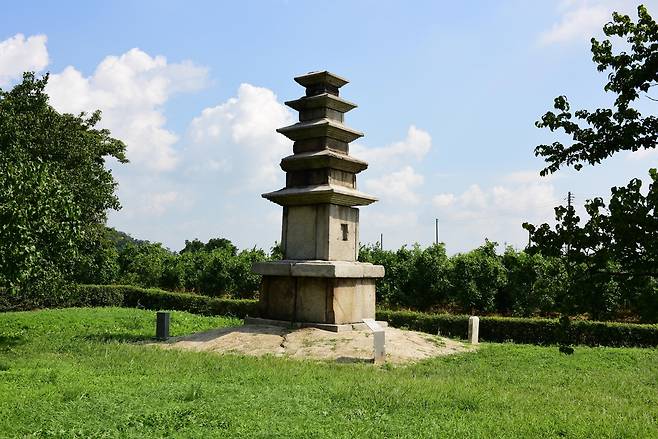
[379, 339]
[473, 329]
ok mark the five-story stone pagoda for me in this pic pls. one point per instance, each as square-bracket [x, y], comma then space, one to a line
[319, 282]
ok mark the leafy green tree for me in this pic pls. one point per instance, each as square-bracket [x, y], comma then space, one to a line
[193, 246]
[54, 187]
[120, 239]
[616, 245]
[415, 277]
[477, 277]
[598, 134]
[533, 283]
[143, 264]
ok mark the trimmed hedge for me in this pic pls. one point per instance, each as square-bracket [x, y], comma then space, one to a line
[153, 298]
[71, 296]
[136, 297]
[492, 329]
[526, 330]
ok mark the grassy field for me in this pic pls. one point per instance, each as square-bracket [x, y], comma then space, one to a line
[79, 373]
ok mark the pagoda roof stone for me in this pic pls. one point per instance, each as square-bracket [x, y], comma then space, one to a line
[320, 128]
[325, 158]
[324, 100]
[312, 78]
[319, 194]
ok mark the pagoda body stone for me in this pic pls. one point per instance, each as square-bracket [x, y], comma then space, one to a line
[320, 279]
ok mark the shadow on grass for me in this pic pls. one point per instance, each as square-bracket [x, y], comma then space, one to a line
[115, 338]
[10, 341]
[349, 360]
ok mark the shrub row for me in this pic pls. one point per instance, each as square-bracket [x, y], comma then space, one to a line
[65, 297]
[134, 297]
[526, 330]
[522, 284]
[492, 329]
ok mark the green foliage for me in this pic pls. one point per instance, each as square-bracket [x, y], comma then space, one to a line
[612, 257]
[54, 190]
[40, 224]
[214, 243]
[527, 330]
[143, 264]
[533, 283]
[120, 239]
[493, 329]
[131, 296]
[216, 268]
[520, 283]
[415, 277]
[99, 258]
[155, 299]
[65, 297]
[605, 131]
[476, 278]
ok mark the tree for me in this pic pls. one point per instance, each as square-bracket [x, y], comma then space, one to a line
[477, 277]
[143, 264]
[598, 134]
[617, 243]
[214, 243]
[54, 188]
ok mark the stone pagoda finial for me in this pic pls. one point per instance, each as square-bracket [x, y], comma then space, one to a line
[320, 227]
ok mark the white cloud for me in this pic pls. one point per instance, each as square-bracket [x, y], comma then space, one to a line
[473, 198]
[581, 19]
[416, 145]
[443, 200]
[19, 54]
[536, 200]
[495, 212]
[131, 91]
[239, 137]
[397, 186]
[157, 203]
[526, 177]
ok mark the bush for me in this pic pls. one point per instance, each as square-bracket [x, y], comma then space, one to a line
[213, 269]
[447, 325]
[492, 329]
[477, 277]
[131, 296]
[526, 330]
[416, 278]
[143, 264]
[533, 283]
[65, 297]
[156, 299]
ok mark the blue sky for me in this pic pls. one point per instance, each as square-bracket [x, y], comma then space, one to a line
[448, 93]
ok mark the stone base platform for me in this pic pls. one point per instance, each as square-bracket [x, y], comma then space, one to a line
[346, 327]
[318, 292]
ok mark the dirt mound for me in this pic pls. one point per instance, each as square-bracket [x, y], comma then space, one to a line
[311, 343]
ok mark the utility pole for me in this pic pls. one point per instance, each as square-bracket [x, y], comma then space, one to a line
[436, 226]
[381, 241]
[569, 200]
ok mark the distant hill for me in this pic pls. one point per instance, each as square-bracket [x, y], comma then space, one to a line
[121, 239]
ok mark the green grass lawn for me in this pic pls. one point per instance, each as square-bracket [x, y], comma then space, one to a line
[78, 373]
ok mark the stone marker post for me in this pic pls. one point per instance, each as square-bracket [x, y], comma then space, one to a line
[320, 280]
[162, 325]
[473, 329]
[379, 340]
